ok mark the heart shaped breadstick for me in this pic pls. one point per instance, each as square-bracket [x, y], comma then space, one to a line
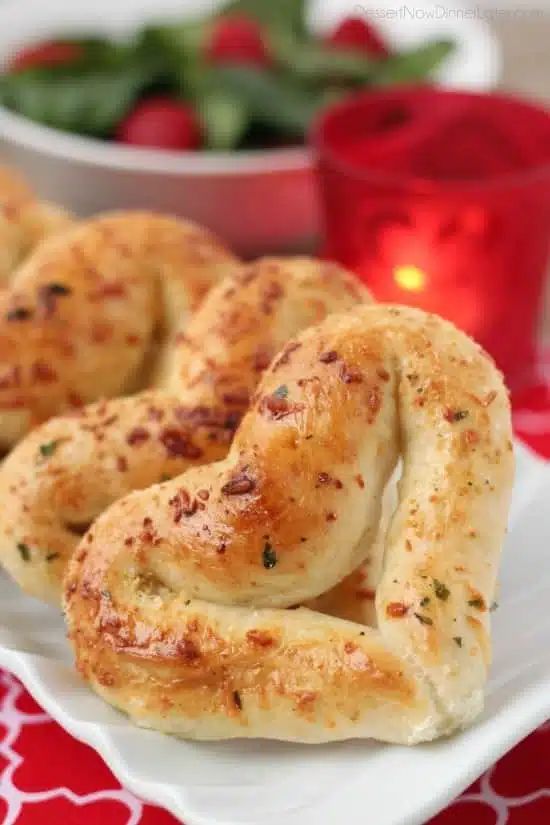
[25, 221]
[175, 599]
[85, 313]
[65, 473]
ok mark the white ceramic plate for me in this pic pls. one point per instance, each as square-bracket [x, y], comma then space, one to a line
[260, 783]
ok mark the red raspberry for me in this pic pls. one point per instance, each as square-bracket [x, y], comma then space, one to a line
[161, 123]
[237, 40]
[45, 55]
[355, 34]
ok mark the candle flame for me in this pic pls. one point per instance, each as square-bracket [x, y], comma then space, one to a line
[410, 278]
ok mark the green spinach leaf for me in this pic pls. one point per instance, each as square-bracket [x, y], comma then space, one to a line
[276, 15]
[270, 99]
[90, 103]
[225, 120]
[412, 65]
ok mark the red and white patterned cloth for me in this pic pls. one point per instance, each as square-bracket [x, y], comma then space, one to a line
[49, 777]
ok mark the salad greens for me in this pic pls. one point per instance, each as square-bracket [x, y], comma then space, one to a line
[238, 105]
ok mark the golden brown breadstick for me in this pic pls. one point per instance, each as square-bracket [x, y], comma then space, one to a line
[65, 473]
[176, 597]
[25, 221]
[88, 309]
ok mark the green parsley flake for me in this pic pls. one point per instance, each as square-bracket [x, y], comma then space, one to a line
[281, 392]
[269, 556]
[441, 590]
[48, 449]
[24, 551]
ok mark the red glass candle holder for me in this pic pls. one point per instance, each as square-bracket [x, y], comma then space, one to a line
[441, 200]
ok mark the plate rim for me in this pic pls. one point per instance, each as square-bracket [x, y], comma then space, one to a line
[101, 739]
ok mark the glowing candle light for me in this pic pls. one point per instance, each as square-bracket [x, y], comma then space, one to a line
[446, 209]
[410, 278]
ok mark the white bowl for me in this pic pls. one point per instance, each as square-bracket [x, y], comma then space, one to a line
[257, 200]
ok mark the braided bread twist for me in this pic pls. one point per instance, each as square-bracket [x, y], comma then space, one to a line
[87, 311]
[25, 222]
[175, 599]
[66, 472]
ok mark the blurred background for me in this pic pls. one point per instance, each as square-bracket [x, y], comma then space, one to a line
[526, 69]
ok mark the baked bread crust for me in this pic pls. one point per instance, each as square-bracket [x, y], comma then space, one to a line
[25, 221]
[66, 472]
[176, 598]
[84, 313]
